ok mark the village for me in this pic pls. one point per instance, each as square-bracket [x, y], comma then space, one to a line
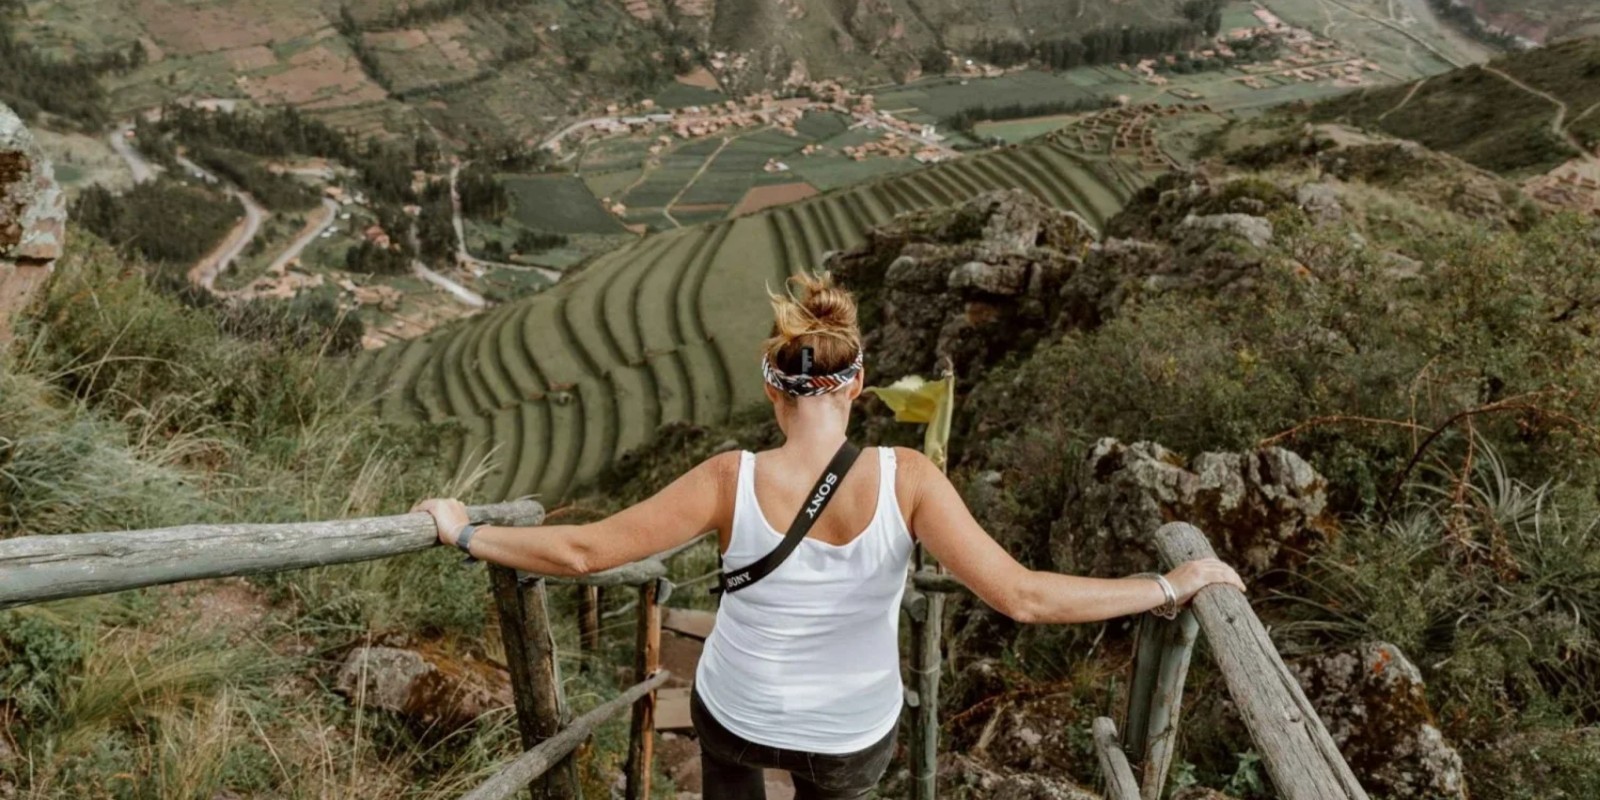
[1309, 59]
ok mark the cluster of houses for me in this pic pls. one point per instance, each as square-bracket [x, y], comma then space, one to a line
[901, 138]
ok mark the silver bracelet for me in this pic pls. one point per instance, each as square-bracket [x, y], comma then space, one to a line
[1169, 608]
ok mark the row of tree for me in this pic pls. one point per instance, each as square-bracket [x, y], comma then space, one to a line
[1106, 45]
[384, 169]
[1462, 16]
[165, 221]
[967, 118]
[32, 83]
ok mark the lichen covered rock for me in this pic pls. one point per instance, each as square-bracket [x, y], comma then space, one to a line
[1373, 701]
[970, 284]
[430, 690]
[1261, 510]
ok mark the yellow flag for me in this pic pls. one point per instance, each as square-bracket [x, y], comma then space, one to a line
[917, 400]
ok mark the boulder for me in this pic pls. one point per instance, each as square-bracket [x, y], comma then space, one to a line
[1261, 510]
[970, 284]
[431, 690]
[1373, 701]
[1320, 201]
[33, 220]
[1255, 230]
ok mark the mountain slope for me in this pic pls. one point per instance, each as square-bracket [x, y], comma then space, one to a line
[1519, 114]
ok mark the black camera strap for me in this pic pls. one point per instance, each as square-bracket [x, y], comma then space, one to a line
[824, 490]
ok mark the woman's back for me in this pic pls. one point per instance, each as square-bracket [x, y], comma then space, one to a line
[808, 657]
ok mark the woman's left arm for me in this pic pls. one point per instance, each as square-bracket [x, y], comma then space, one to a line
[689, 506]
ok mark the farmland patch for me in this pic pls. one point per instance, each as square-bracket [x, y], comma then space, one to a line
[558, 204]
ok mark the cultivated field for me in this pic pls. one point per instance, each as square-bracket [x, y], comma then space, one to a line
[560, 384]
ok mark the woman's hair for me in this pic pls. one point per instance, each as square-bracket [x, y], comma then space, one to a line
[813, 313]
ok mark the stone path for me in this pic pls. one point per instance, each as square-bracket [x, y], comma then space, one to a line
[677, 751]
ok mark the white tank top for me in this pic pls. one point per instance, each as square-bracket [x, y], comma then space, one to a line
[808, 658]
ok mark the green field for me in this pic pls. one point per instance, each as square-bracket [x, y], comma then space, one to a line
[558, 204]
[667, 329]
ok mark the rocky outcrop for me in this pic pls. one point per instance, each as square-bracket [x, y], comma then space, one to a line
[1262, 510]
[1373, 701]
[32, 220]
[960, 774]
[969, 284]
[432, 691]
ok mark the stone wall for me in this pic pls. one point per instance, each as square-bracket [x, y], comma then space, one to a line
[33, 218]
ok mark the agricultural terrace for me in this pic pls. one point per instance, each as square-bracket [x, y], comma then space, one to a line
[554, 387]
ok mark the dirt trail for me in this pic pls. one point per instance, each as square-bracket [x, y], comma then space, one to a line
[1558, 123]
[204, 273]
[141, 169]
[313, 229]
[1402, 104]
[666, 210]
[678, 751]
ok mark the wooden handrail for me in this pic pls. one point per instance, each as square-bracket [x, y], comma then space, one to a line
[38, 568]
[1300, 756]
[534, 763]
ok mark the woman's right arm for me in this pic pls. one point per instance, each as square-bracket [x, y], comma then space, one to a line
[941, 521]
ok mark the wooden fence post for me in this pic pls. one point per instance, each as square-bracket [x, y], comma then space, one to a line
[641, 742]
[926, 610]
[589, 625]
[1166, 701]
[535, 680]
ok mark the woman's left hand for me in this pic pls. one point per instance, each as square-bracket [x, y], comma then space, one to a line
[449, 517]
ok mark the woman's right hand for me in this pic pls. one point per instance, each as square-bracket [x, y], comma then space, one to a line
[1192, 576]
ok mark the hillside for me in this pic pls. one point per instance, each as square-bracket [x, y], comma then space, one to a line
[503, 69]
[562, 384]
[1519, 115]
[1365, 368]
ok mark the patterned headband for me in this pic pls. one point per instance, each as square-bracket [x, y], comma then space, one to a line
[809, 385]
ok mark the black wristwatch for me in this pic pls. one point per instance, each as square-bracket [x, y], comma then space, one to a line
[464, 541]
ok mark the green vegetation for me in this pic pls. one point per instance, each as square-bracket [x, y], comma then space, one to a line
[137, 411]
[557, 204]
[165, 221]
[1438, 363]
[1109, 45]
[1480, 116]
[562, 384]
[32, 83]
[967, 119]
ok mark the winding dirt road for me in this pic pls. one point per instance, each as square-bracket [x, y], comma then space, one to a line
[204, 273]
[330, 213]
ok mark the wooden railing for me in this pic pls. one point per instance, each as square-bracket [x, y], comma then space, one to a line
[1300, 756]
[35, 569]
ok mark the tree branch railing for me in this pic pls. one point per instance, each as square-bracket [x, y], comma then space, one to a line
[1301, 758]
[36, 569]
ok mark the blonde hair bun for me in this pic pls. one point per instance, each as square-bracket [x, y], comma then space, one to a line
[813, 312]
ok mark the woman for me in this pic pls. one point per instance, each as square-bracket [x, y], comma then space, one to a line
[802, 670]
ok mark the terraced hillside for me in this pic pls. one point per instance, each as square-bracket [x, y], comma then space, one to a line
[667, 329]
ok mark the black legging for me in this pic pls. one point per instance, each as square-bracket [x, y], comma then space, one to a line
[731, 767]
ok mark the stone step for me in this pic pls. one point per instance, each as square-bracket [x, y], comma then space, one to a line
[672, 710]
[689, 622]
